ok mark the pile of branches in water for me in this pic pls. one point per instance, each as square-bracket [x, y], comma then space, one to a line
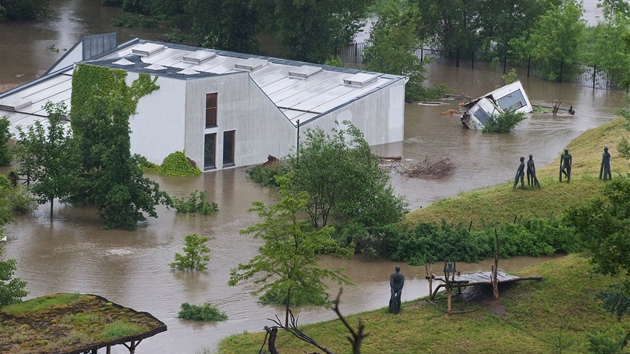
[431, 168]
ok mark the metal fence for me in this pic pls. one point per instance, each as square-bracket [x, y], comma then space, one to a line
[580, 74]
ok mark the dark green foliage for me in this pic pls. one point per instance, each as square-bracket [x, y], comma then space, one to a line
[131, 20]
[196, 203]
[5, 135]
[430, 242]
[22, 10]
[113, 3]
[206, 312]
[137, 6]
[277, 296]
[177, 164]
[266, 175]
[196, 254]
[503, 122]
[617, 299]
[11, 289]
[611, 341]
[146, 165]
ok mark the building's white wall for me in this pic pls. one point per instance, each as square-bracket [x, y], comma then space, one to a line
[380, 115]
[261, 129]
[158, 128]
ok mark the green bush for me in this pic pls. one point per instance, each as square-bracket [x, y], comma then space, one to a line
[196, 203]
[503, 122]
[266, 175]
[206, 312]
[145, 165]
[131, 20]
[177, 164]
[21, 201]
[196, 254]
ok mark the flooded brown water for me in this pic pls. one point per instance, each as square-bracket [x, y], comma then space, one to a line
[72, 254]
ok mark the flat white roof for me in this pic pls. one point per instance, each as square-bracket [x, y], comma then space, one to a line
[300, 90]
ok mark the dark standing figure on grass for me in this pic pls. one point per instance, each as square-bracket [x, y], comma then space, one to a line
[531, 173]
[396, 283]
[520, 174]
[565, 165]
[605, 169]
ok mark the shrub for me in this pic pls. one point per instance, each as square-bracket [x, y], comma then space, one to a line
[177, 164]
[145, 165]
[503, 122]
[266, 175]
[196, 254]
[206, 312]
[21, 201]
[196, 203]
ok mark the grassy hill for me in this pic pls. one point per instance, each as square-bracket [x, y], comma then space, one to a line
[552, 316]
[502, 203]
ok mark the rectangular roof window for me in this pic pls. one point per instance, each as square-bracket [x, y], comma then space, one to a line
[360, 79]
[304, 71]
[198, 57]
[147, 49]
[250, 64]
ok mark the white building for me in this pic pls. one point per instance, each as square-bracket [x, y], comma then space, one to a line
[222, 108]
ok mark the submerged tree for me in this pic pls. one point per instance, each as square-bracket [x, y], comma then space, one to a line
[196, 254]
[112, 178]
[342, 179]
[47, 156]
[286, 266]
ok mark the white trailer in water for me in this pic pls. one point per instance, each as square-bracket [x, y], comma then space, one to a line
[510, 97]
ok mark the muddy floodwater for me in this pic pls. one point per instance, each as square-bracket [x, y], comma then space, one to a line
[72, 254]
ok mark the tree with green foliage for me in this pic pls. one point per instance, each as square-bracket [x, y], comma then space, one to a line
[309, 29]
[196, 254]
[197, 202]
[48, 157]
[604, 226]
[556, 41]
[393, 43]
[22, 10]
[342, 179]
[287, 263]
[5, 136]
[11, 289]
[608, 48]
[112, 178]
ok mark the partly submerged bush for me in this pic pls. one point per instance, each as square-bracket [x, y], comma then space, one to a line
[196, 203]
[503, 122]
[177, 164]
[21, 201]
[266, 175]
[206, 312]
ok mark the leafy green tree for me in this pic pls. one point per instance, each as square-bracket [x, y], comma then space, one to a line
[393, 45]
[197, 202]
[604, 226]
[48, 157]
[112, 178]
[309, 29]
[11, 289]
[556, 41]
[5, 135]
[608, 49]
[342, 179]
[286, 263]
[196, 254]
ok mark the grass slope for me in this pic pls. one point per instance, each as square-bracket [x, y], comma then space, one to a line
[501, 202]
[551, 316]
[529, 317]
